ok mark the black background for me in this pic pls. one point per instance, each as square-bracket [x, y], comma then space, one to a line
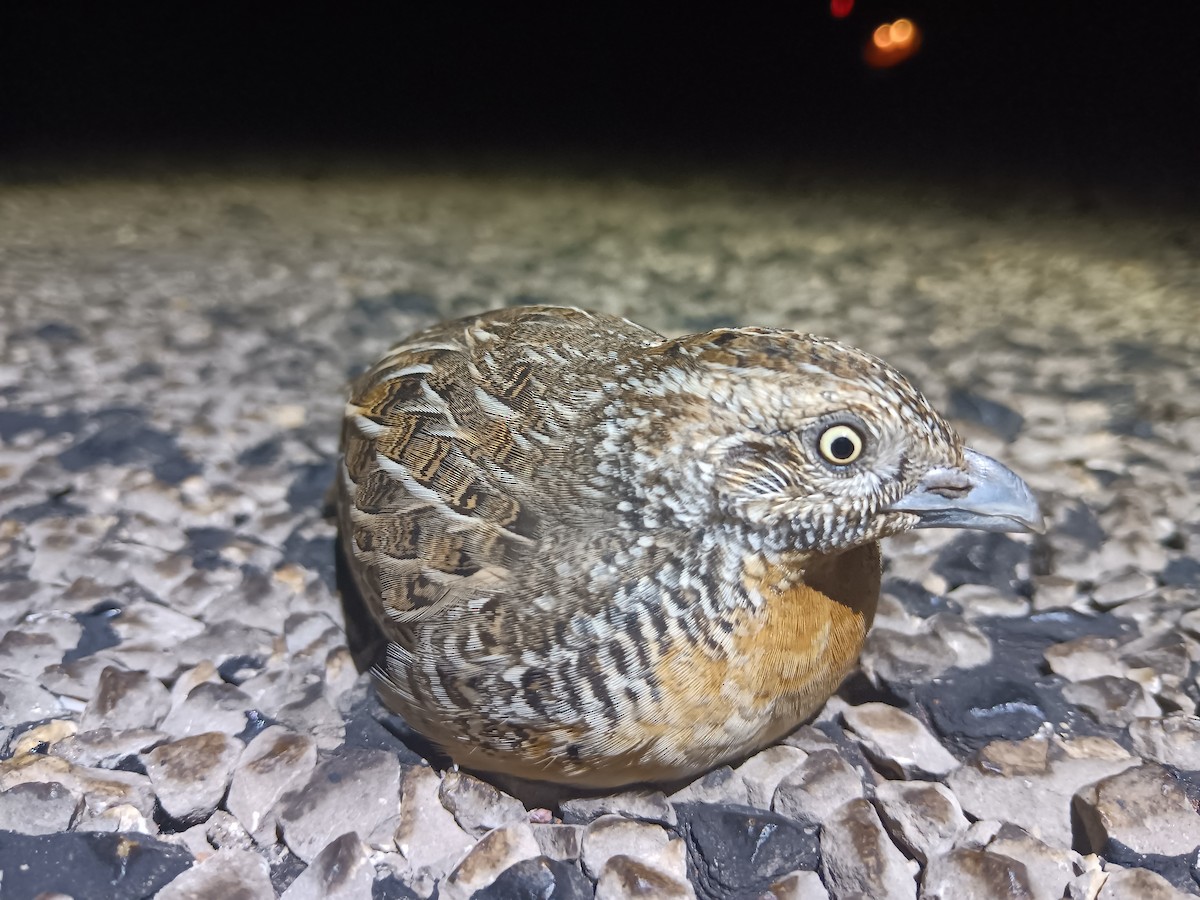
[1094, 91]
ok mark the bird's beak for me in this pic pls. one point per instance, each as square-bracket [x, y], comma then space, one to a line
[982, 494]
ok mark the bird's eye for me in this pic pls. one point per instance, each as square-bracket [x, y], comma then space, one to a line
[840, 445]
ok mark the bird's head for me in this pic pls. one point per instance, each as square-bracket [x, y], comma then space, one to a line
[805, 443]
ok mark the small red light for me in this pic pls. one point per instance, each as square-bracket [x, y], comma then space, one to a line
[839, 9]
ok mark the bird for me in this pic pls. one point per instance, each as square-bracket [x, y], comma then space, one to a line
[599, 556]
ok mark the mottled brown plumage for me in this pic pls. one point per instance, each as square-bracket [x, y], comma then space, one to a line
[600, 556]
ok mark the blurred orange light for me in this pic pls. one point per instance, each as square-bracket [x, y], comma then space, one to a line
[892, 43]
[839, 9]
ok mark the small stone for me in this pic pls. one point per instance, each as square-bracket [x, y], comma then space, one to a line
[190, 775]
[1143, 808]
[740, 851]
[240, 874]
[722, 785]
[105, 748]
[986, 793]
[858, 858]
[818, 786]
[477, 806]
[38, 808]
[1084, 657]
[354, 785]
[649, 806]
[123, 817]
[341, 871]
[801, 885]
[1050, 869]
[1171, 741]
[897, 742]
[1139, 884]
[100, 788]
[763, 772]
[1118, 589]
[923, 817]
[625, 878]
[22, 653]
[1010, 758]
[209, 707]
[975, 873]
[125, 700]
[1054, 592]
[46, 734]
[1111, 699]
[427, 834]
[902, 659]
[613, 835]
[496, 851]
[971, 647]
[563, 842]
[273, 763]
[539, 877]
[980, 601]
[1168, 654]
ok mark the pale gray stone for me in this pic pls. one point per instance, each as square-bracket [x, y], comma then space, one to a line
[815, 788]
[495, 852]
[1139, 884]
[126, 700]
[1121, 588]
[1111, 699]
[799, 885]
[764, 770]
[1084, 657]
[1144, 808]
[923, 817]
[228, 874]
[341, 871]
[644, 804]
[722, 785]
[209, 707]
[355, 786]
[427, 835]
[477, 806]
[23, 654]
[38, 807]
[100, 788]
[897, 742]
[562, 842]
[24, 701]
[989, 793]
[627, 878]
[898, 658]
[1172, 741]
[105, 748]
[77, 679]
[611, 836]
[983, 601]
[1050, 869]
[190, 775]
[971, 647]
[975, 873]
[859, 860]
[274, 762]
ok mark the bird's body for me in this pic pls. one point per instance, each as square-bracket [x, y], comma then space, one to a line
[600, 556]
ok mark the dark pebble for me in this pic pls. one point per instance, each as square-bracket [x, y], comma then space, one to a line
[736, 852]
[540, 877]
[95, 865]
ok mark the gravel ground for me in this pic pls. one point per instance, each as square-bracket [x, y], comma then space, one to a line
[180, 711]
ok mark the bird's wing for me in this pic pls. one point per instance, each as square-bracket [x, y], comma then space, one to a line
[446, 445]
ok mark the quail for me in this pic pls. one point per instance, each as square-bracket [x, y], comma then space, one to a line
[599, 556]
